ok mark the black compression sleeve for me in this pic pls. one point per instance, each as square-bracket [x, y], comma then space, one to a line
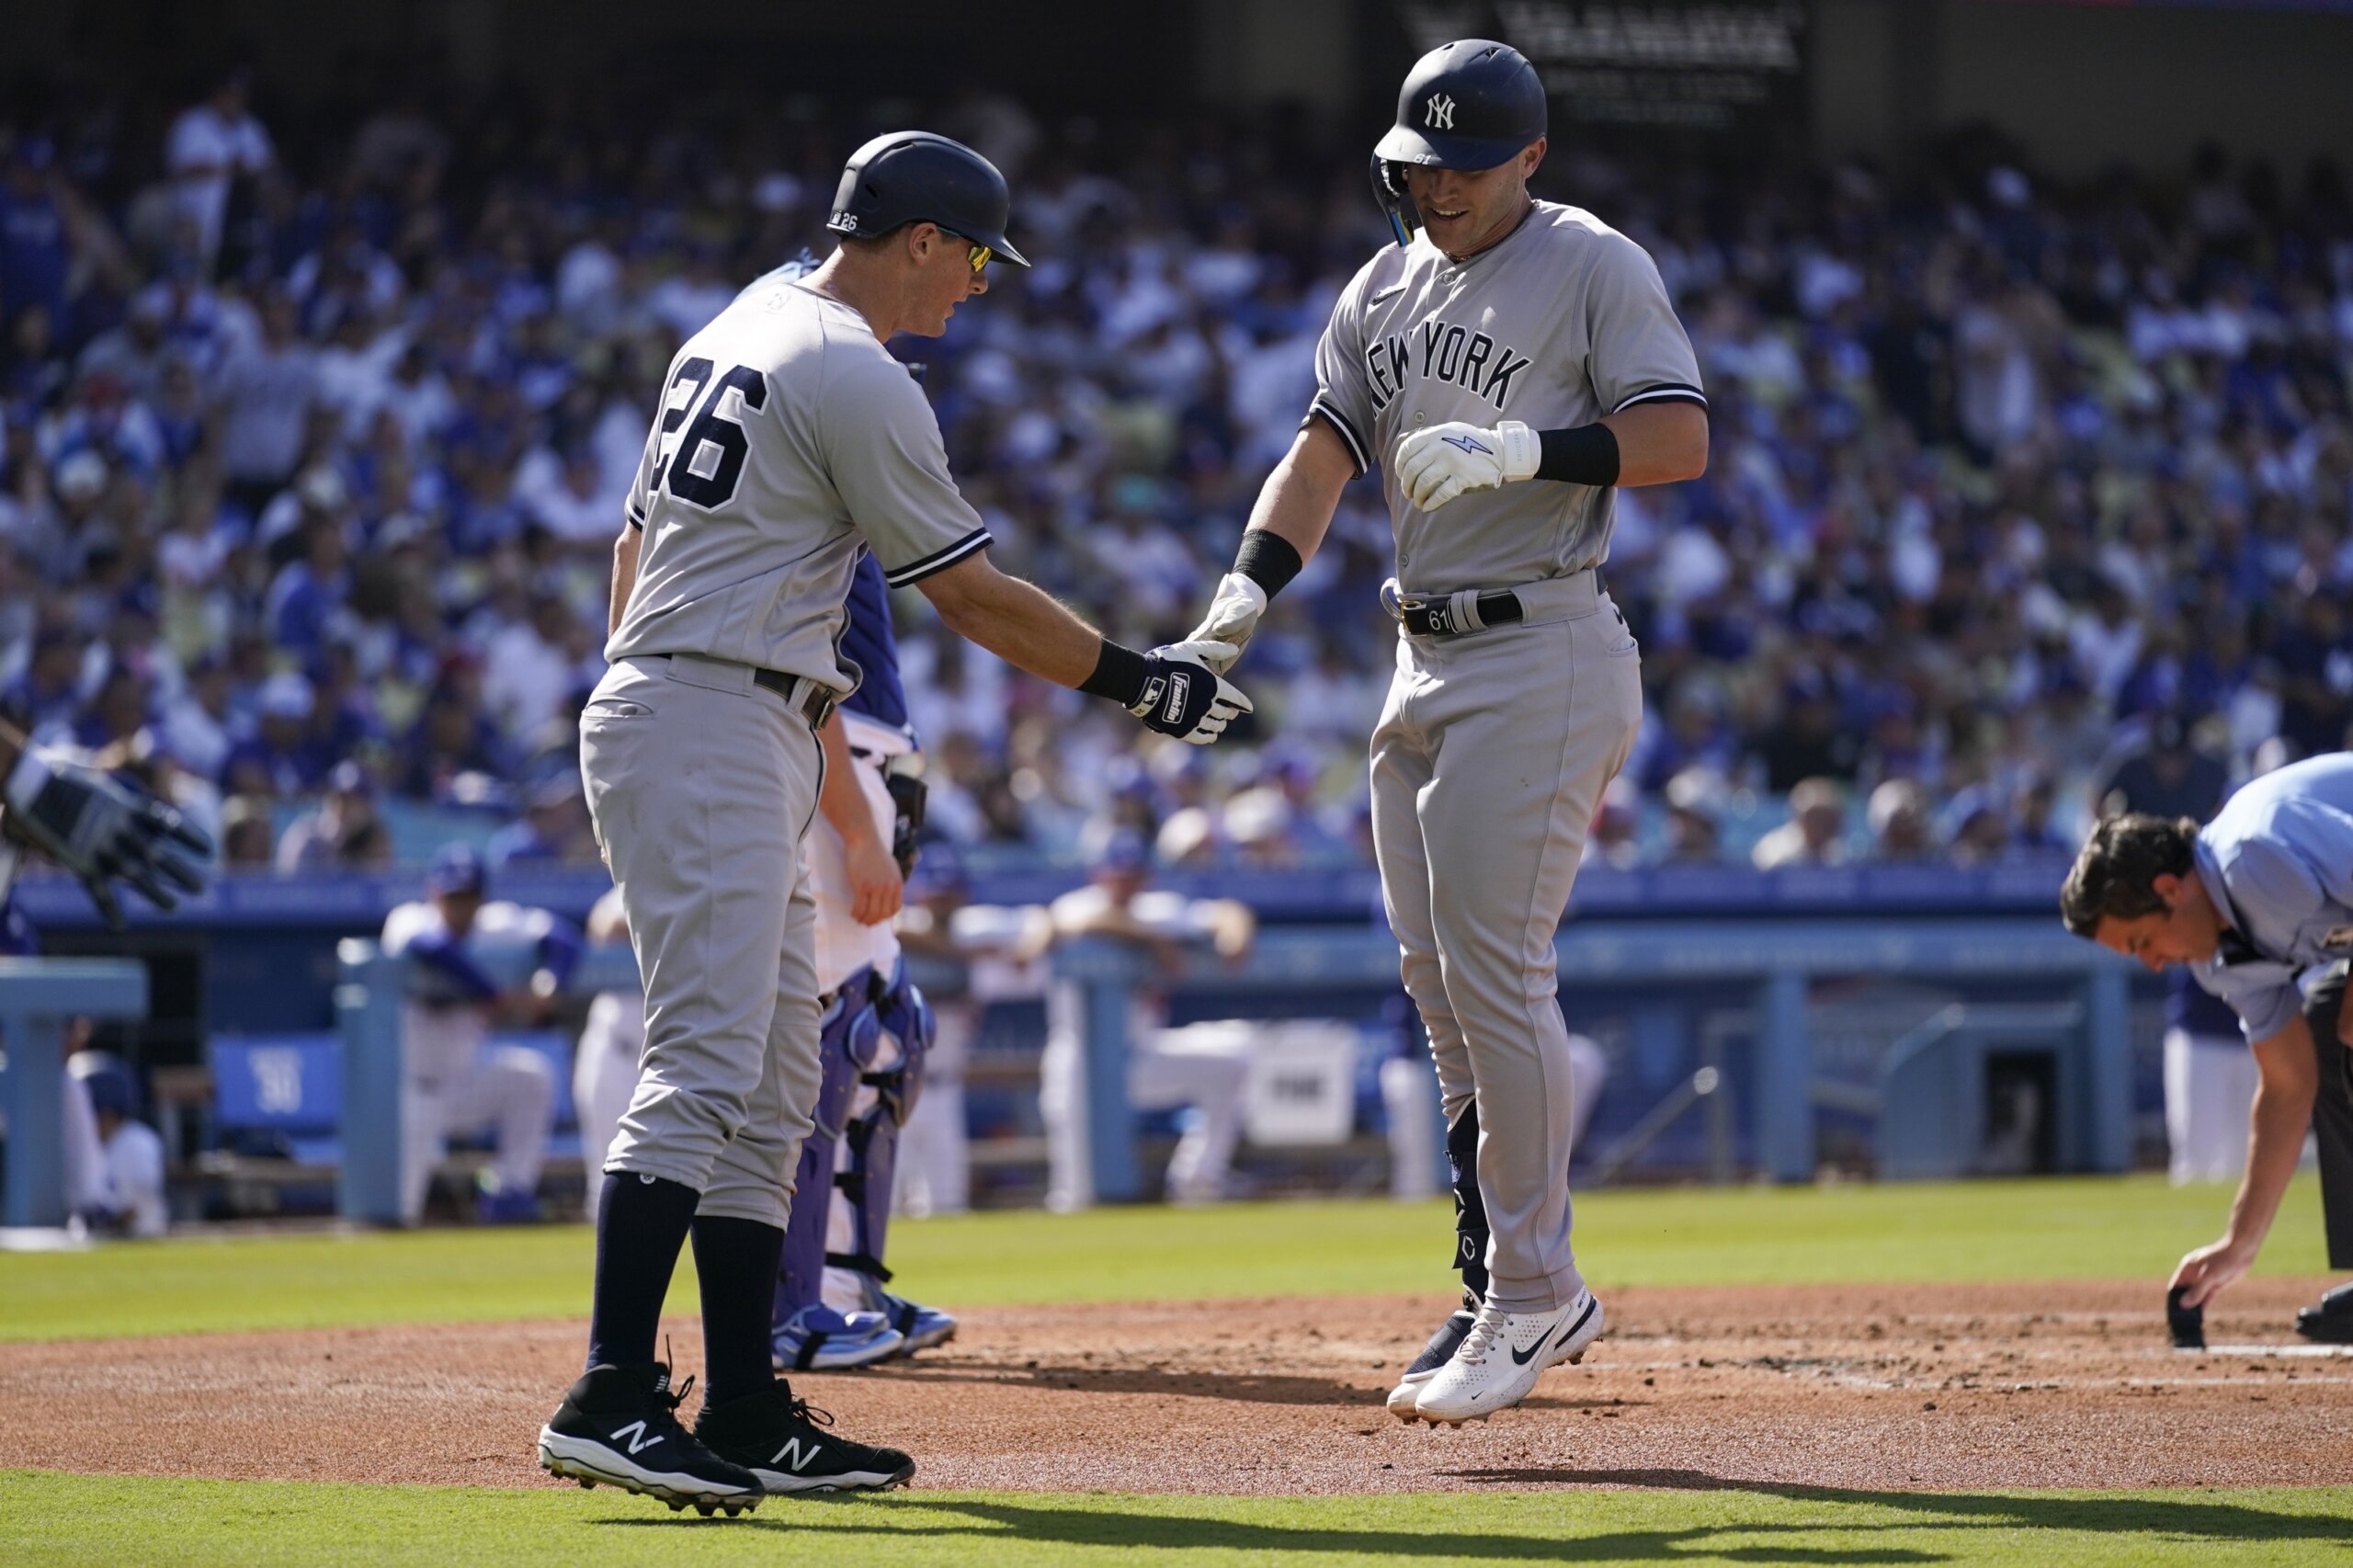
[1268, 559]
[1587, 455]
[1120, 674]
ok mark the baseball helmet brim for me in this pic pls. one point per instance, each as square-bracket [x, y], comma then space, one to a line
[1404, 144]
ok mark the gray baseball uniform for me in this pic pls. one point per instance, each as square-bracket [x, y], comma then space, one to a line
[1496, 744]
[787, 441]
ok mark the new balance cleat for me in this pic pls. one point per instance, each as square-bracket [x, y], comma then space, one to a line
[1500, 1359]
[787, 1445]
[619, 1427]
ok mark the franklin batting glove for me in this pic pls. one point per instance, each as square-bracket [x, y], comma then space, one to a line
[1184, 696]
[1436, 464]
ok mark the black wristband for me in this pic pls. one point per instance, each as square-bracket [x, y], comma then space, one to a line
[1587, 455]
[1268, 559]
[1120, 674]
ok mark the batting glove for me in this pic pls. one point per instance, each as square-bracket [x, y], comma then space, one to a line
[1184, 696]
[1233, 616]
[104, 832]
[1436, 464]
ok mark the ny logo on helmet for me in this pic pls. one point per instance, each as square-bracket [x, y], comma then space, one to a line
[1441, 114]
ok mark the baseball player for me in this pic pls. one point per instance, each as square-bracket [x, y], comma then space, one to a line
[831, 1307]
[789, 443]
[2258, 906]
[1507, 367]
[448, 1082]
[1205, 1066]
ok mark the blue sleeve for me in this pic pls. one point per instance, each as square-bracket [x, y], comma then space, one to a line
[2276, 880]
[560, 948]
[449, 958]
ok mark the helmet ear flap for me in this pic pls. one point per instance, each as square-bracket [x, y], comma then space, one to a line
[1389, 189]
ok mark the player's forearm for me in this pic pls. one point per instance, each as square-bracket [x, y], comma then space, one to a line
[842, 802]
[1297, 502]
[1017, 621]
[1659, 443]
[625, 550]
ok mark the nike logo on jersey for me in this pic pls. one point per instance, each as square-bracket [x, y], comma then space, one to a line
[1439, 351]
[1468, 445]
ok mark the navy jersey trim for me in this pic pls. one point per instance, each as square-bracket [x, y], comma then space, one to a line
[1665, 391]
[636, 517]
[1338, 421]
[938, 559]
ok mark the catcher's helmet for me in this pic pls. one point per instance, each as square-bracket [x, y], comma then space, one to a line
[1471, 104]
[912, 177]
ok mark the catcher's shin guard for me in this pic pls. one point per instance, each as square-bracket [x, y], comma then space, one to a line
[847, 1039]
[1469, 1208]
[872, 1136]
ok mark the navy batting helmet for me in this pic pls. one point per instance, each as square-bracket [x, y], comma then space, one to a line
[912, 177]
[1471, 104]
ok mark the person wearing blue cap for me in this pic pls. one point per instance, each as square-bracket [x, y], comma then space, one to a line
[1203, 1066]
[452, 1078]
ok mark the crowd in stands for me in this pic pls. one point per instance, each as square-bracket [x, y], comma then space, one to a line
[318, 425]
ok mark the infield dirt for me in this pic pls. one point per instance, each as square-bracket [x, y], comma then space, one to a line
[1849, 1387]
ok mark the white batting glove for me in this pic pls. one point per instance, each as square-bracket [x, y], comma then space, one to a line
[1233, 616]
[1436, 464]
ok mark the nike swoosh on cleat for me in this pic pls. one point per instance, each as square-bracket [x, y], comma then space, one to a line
[1520, 1359]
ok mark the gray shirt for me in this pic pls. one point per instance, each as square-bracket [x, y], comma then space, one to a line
[1564, 321]
[788, 442]
[2278, 862]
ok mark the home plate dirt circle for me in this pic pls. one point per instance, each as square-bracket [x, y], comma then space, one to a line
[1857, 1388]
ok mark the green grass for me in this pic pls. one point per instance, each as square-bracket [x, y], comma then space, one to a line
[61, 1520]
[2052, 1229]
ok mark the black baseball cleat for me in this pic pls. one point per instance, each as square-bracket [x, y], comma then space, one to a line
[1436, 1354]
[2331, 1322]
[619, 1427]
[785, 1445]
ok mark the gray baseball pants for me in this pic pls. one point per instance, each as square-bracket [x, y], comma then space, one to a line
[1489, 760]
[700, 786]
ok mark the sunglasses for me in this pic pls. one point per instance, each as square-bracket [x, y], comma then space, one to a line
[980, 256]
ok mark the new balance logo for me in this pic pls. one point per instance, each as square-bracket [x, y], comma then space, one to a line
[793, 1449]
[641, 1441]
[1439, 115]
[1466, 444]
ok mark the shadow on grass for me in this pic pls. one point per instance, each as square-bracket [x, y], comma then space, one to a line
[1762, 1541]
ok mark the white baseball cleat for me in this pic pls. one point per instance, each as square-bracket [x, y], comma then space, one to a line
[1502, 1357]
[1436, 1354]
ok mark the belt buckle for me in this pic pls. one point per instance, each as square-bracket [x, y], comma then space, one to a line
[822, 704]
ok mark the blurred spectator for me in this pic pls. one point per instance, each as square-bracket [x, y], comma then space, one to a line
[1694, 806]
[1814, 834]
[1897, 815]
[334, 834]
[2001, 463]
[213, 144]
[554, 828]
[121, 1171]
[247, 841]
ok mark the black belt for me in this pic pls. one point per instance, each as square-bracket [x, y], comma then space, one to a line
[1435, 617]
[814, 700]
[811, 699]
